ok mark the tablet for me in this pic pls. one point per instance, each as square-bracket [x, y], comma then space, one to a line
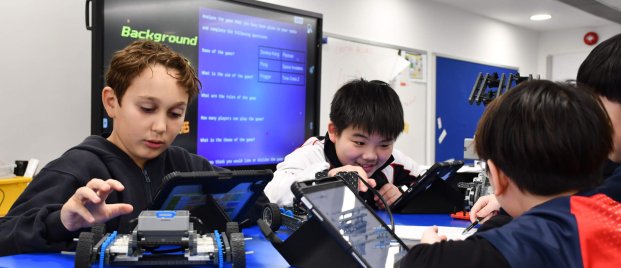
[234, 192]
[361, 233]
[439, 170]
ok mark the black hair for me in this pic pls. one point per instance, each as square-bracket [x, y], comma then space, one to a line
[372, 106]
[601, 70]
[549, 138]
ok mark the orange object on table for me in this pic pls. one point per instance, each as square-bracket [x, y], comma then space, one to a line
[461, 215]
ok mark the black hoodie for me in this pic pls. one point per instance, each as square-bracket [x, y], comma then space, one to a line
[33, 223]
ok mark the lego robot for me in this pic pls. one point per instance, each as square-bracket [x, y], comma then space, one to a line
[293, 217]
[161, 238]
[479, 186]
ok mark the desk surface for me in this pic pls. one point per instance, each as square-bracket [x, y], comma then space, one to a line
[263, 253]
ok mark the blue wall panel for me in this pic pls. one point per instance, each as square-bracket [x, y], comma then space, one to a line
[454, 82]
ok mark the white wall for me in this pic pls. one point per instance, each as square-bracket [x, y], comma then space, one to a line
[426, 25]
[45, 68]
[429, 26]
[569, 42]
[44, 78]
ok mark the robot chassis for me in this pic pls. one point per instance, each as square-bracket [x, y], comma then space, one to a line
[171, 229]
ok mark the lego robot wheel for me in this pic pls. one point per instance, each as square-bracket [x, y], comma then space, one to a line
[470, 197]
[98, 230]
[84, 250]
[238, 250]
[231, 228]
[271, 215]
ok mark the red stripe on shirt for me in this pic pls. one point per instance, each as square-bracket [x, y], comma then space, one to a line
[599, 227]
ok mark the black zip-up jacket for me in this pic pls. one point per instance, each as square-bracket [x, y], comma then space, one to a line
[33, 222]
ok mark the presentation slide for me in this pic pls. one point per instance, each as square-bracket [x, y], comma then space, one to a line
[252, 106]
[258, 65]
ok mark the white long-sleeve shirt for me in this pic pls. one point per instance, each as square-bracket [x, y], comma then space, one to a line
[318, 154]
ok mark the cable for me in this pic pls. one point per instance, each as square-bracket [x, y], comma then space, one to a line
[386, 206]
[196, 220]
[199, 226]
[244, 222]
[346, 177]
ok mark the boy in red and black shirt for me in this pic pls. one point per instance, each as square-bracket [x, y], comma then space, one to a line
[544, 144]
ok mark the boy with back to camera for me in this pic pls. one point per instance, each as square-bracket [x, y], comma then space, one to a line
[544, 144]
[110, 180]
[365, 120]
[600, 73]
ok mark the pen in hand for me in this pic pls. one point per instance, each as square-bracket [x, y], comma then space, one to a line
[470, 227]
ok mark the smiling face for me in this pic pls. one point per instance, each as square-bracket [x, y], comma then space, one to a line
[358, 148]
[150, 114]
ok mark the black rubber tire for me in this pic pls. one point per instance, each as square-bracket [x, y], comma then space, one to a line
[231, 228]
[238, 250]
[470, 198]
[84, 250]
[271, 215]
[98, 230]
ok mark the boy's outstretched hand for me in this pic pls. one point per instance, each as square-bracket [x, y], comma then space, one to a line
[88, 205]
[363, 175]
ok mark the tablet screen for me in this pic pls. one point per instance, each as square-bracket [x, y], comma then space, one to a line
[188, 197]
[234, 200]
[234, 192]
[184, 197]
[357, 225]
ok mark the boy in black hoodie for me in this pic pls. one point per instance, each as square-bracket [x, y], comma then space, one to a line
[110, 180]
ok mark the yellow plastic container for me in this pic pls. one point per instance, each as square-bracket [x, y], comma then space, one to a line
[10, 189]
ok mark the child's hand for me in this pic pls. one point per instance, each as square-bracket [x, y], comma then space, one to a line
[390, 193]
[88, 205]
[363, 175]
[431, 236]
[486, 207]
